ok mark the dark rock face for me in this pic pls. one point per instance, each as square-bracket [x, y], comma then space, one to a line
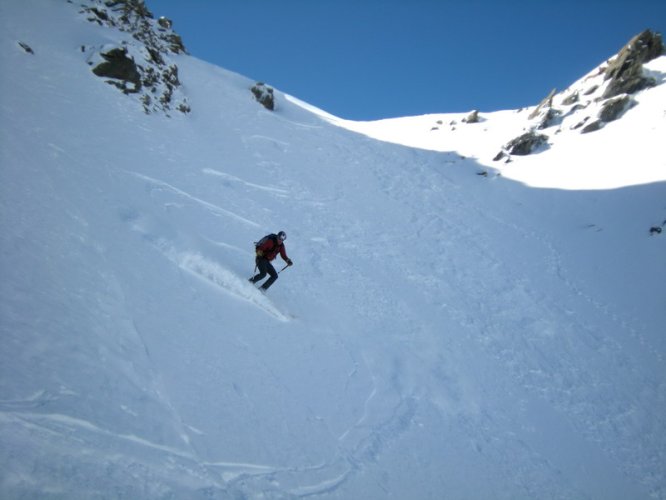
[547, 115]
[550, 118]
[625, 71]
[26, 47]
[120, 67]
[571, 99]
[264, 94]
[615, 108]
[473, 117]
[546, 103]
[523, 145]
[611, 110]
[526, 144]
[165, 23]
[592, 127]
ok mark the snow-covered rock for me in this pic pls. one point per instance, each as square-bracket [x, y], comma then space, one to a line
[141, 63]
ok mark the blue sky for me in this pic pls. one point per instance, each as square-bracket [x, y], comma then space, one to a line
[372, 59]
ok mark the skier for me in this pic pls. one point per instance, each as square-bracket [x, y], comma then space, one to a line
[267, 249]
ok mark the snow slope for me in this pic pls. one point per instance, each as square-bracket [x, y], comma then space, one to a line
[442, 334]
[611, 160]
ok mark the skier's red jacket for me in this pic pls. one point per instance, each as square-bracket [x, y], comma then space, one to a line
[271, 247]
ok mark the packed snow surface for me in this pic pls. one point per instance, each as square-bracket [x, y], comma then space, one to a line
[442, 334]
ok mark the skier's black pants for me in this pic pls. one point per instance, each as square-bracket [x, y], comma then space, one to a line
[265, 267]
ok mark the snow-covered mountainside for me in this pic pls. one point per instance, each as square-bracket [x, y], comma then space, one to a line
[452, 327]
[573, 156]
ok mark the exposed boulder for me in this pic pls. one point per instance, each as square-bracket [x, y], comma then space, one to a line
[658, 229]
[98, 16]
[546, 113]
[547, 102]
[625, 71]
[118, 66]
[26, 47]
[615, 108]
[611, 110]
[592, 126]
[130, 9]
[571, 99]
[501, 155]
[264, 94]
[175, 43]
[473, 117]
[165, 23]
[591, 90]
[549, 118]
[580, 123]
[526, 144]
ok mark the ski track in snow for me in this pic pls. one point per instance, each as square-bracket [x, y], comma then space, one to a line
[232, 178]
[61, 423]
[206, 269]
[87, 433]
[210, 271]
[226, 280]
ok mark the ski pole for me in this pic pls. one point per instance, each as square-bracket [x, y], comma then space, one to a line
[285, 267]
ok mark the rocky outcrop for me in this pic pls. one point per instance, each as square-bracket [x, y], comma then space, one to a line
[525, 144]
[546, 114]
[622, 77]
[590, 127]
[657, 229]
[601, 97]
[121, 69]
[625, 71]
[572, 98]
[141, 65]
[611, 110]
[26, 47]
[264, 94]
[546, 103]
[473, 117]
[605, 94]
[549, 118]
